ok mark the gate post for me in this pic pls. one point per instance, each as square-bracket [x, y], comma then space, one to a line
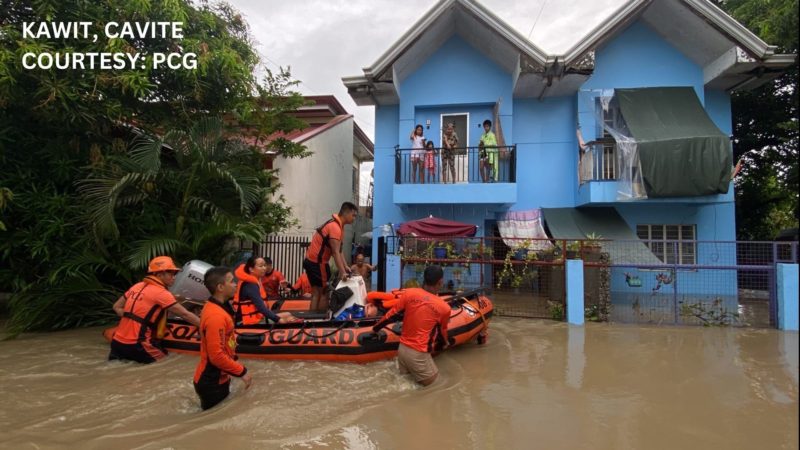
[575, 308]
[393, 272]
[787, 296]
[382, 264]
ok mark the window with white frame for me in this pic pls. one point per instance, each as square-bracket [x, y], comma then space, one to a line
[673, 244]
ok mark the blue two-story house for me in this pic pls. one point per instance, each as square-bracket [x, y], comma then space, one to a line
[656, 74]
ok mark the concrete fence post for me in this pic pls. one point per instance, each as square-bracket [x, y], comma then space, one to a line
[787, 296]
[575, 309]
[392, 272]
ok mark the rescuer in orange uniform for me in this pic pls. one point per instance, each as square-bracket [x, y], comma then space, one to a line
[425, 319]
[212, 378]
[141, 309]
[327, 242]
[302, 285]
[273, 280]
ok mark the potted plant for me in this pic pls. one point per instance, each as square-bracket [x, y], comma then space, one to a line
[521, 250]
[573, 247]
[443, 250]
[591, 247]
[547, 254]
[439, 250]
[472, 249]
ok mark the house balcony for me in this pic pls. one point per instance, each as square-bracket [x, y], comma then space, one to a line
[469, 176]
[600, 182]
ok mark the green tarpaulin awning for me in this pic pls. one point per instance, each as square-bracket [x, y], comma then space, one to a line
[681, 151]
[575, 223]
[621, 243]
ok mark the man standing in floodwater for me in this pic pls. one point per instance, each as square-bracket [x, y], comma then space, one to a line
[142, 309]
[212, 378]
[425, 321]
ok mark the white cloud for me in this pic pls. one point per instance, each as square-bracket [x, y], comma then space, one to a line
[324, 40]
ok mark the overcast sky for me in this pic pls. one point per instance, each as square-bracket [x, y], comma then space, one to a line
[325, 40]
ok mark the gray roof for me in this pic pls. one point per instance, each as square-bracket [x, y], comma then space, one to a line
[732, 57]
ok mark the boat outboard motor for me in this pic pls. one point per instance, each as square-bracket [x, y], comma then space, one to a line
[189, 281]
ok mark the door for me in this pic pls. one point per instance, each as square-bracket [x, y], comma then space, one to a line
[461, 161]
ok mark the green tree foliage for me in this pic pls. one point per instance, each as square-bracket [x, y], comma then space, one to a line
[213, 186]
[766, 127]
[94, 183]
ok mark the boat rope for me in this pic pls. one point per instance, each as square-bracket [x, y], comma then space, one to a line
[302, 330]
[483, 318]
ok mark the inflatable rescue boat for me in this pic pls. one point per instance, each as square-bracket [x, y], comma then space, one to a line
[350, 340]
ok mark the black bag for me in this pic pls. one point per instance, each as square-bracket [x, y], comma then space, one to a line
[339, 297]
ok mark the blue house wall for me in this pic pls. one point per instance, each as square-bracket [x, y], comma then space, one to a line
[456, 78]
[546, 153]
[639, 57]
[456, 75]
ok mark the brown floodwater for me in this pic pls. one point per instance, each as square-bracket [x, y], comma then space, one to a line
[536, 384]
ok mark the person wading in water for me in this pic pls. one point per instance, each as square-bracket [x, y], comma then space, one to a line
[212, 377]
[425, 319]
[141, 309]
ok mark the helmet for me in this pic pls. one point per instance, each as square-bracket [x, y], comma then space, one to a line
[162, 264]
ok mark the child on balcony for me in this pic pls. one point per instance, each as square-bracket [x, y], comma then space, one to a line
[417, 154]
[430, 161]
[489, 160]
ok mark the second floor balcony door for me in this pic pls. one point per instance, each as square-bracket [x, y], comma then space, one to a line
[461, 159]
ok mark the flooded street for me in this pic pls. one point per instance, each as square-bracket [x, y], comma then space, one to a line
[536, 384]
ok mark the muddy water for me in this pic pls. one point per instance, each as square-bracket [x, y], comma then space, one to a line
[536, 384]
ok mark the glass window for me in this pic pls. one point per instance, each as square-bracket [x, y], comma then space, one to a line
[672, 244]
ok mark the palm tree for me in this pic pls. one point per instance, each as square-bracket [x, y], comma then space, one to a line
[187, 194]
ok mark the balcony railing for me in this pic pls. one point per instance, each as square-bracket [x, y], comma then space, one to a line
[599, 162]
[462, 165]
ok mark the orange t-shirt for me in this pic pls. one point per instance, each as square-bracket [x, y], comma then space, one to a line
[426, 315]
[140, 300]
[272, 283]
[320, 251]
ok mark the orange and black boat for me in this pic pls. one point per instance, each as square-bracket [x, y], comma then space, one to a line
[330, 340]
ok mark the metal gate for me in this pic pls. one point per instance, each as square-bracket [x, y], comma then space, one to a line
[287, 253]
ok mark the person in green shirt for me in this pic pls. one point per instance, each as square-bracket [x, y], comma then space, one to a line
[489, 159]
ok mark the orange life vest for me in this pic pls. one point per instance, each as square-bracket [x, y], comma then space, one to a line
[137, 324]
[385, 300]
[320, 250]
[246, 308]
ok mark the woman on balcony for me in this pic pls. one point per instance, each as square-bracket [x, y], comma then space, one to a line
[449, 144]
